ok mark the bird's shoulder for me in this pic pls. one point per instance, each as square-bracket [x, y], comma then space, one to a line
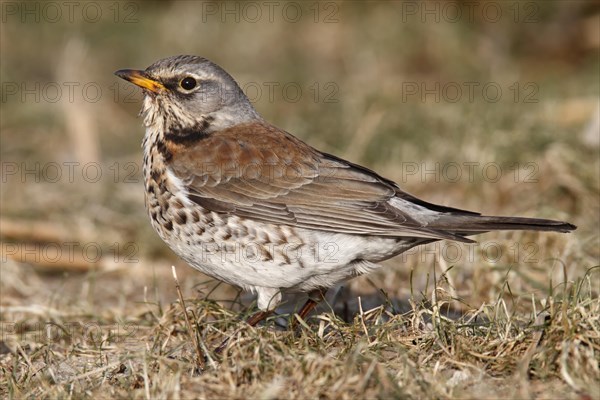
[259, 151]
[245, 149]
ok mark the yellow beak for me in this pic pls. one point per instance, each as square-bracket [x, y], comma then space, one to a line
[140, 79]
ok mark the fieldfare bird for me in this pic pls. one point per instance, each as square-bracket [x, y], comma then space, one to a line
[251, 205]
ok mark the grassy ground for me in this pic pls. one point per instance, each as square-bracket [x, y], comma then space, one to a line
[89, 307]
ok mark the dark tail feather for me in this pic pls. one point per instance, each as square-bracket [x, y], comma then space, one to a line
[473, 224]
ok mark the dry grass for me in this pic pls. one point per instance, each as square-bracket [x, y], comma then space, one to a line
[516, 316]
[488, 352]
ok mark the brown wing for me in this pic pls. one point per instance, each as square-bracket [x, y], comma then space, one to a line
[259, 172]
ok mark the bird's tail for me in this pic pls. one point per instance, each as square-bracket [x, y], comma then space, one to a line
[470, 224]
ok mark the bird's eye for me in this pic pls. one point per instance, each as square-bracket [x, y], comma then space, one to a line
[188, 83]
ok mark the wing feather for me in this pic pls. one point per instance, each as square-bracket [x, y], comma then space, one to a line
[259, 172]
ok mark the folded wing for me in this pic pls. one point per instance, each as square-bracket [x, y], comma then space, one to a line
[259, 172]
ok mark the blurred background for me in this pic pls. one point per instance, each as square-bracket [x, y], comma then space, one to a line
[487, 105]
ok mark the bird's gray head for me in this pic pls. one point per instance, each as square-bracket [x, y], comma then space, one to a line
[190, 95]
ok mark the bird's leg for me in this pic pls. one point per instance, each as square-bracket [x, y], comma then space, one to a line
[252, 320]
[314, 298]
[257, 317]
